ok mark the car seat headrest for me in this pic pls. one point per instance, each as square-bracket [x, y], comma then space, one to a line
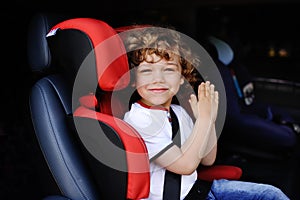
[90, 51]
[224, 51]
[39, 57]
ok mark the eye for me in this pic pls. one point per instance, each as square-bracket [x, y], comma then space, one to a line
[169, 69]
[145, 70]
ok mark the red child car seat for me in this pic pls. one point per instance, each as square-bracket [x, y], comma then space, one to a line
[76, 109]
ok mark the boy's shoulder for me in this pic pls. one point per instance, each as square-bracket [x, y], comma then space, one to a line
[178, 109]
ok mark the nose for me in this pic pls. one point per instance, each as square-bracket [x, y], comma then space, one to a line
[158, 76]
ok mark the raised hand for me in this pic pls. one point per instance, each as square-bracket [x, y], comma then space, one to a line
[206, 105]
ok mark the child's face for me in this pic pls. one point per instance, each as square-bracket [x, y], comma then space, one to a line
[159, 81]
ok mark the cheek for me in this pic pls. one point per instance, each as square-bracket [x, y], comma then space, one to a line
[140, 86]
[175, 80]
[143, 80]
[142, 92]
[175, 84]
[139, 83]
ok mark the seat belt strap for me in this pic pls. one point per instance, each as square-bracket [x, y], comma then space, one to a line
[172, 184]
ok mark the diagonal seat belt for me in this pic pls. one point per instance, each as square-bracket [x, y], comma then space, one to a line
[172, 182]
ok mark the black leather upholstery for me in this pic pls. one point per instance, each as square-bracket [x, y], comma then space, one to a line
[77, 172]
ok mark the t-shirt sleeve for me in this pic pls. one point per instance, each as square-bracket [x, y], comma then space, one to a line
[154, 128]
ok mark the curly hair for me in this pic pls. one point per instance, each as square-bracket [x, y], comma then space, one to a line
[163, 42]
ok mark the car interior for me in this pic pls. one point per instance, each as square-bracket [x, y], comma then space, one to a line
[65, 69]
[79, 44]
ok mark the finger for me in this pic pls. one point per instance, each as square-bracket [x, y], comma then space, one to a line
[201, 90]
[212, 90]
[207, 88]
[216, 96]
[193, 99]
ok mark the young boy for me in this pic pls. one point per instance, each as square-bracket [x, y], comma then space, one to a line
[162, 63]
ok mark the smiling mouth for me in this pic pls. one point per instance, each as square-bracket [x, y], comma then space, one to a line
[158, 90]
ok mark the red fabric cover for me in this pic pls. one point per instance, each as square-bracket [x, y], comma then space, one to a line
[111, 58]
[109, 104]
[138, 185]
[211, 173]
[89, 101]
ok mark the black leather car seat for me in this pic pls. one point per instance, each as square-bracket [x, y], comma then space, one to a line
[248, 128]
[76, 107]
[76, 171]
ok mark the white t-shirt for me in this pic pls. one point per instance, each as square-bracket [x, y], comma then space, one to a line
[155, 129]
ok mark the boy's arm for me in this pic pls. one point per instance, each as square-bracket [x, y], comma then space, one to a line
[210, 158]
[201, 144]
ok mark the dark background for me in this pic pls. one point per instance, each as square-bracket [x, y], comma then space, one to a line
[253, 26]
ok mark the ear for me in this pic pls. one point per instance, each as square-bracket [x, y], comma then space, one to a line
[133, 84]
[181, 80]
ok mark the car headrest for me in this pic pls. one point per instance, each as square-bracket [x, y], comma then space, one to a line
[90, 52]
[39, 57]
[224, 51]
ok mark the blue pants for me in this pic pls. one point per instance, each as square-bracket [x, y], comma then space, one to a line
[237, 190]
